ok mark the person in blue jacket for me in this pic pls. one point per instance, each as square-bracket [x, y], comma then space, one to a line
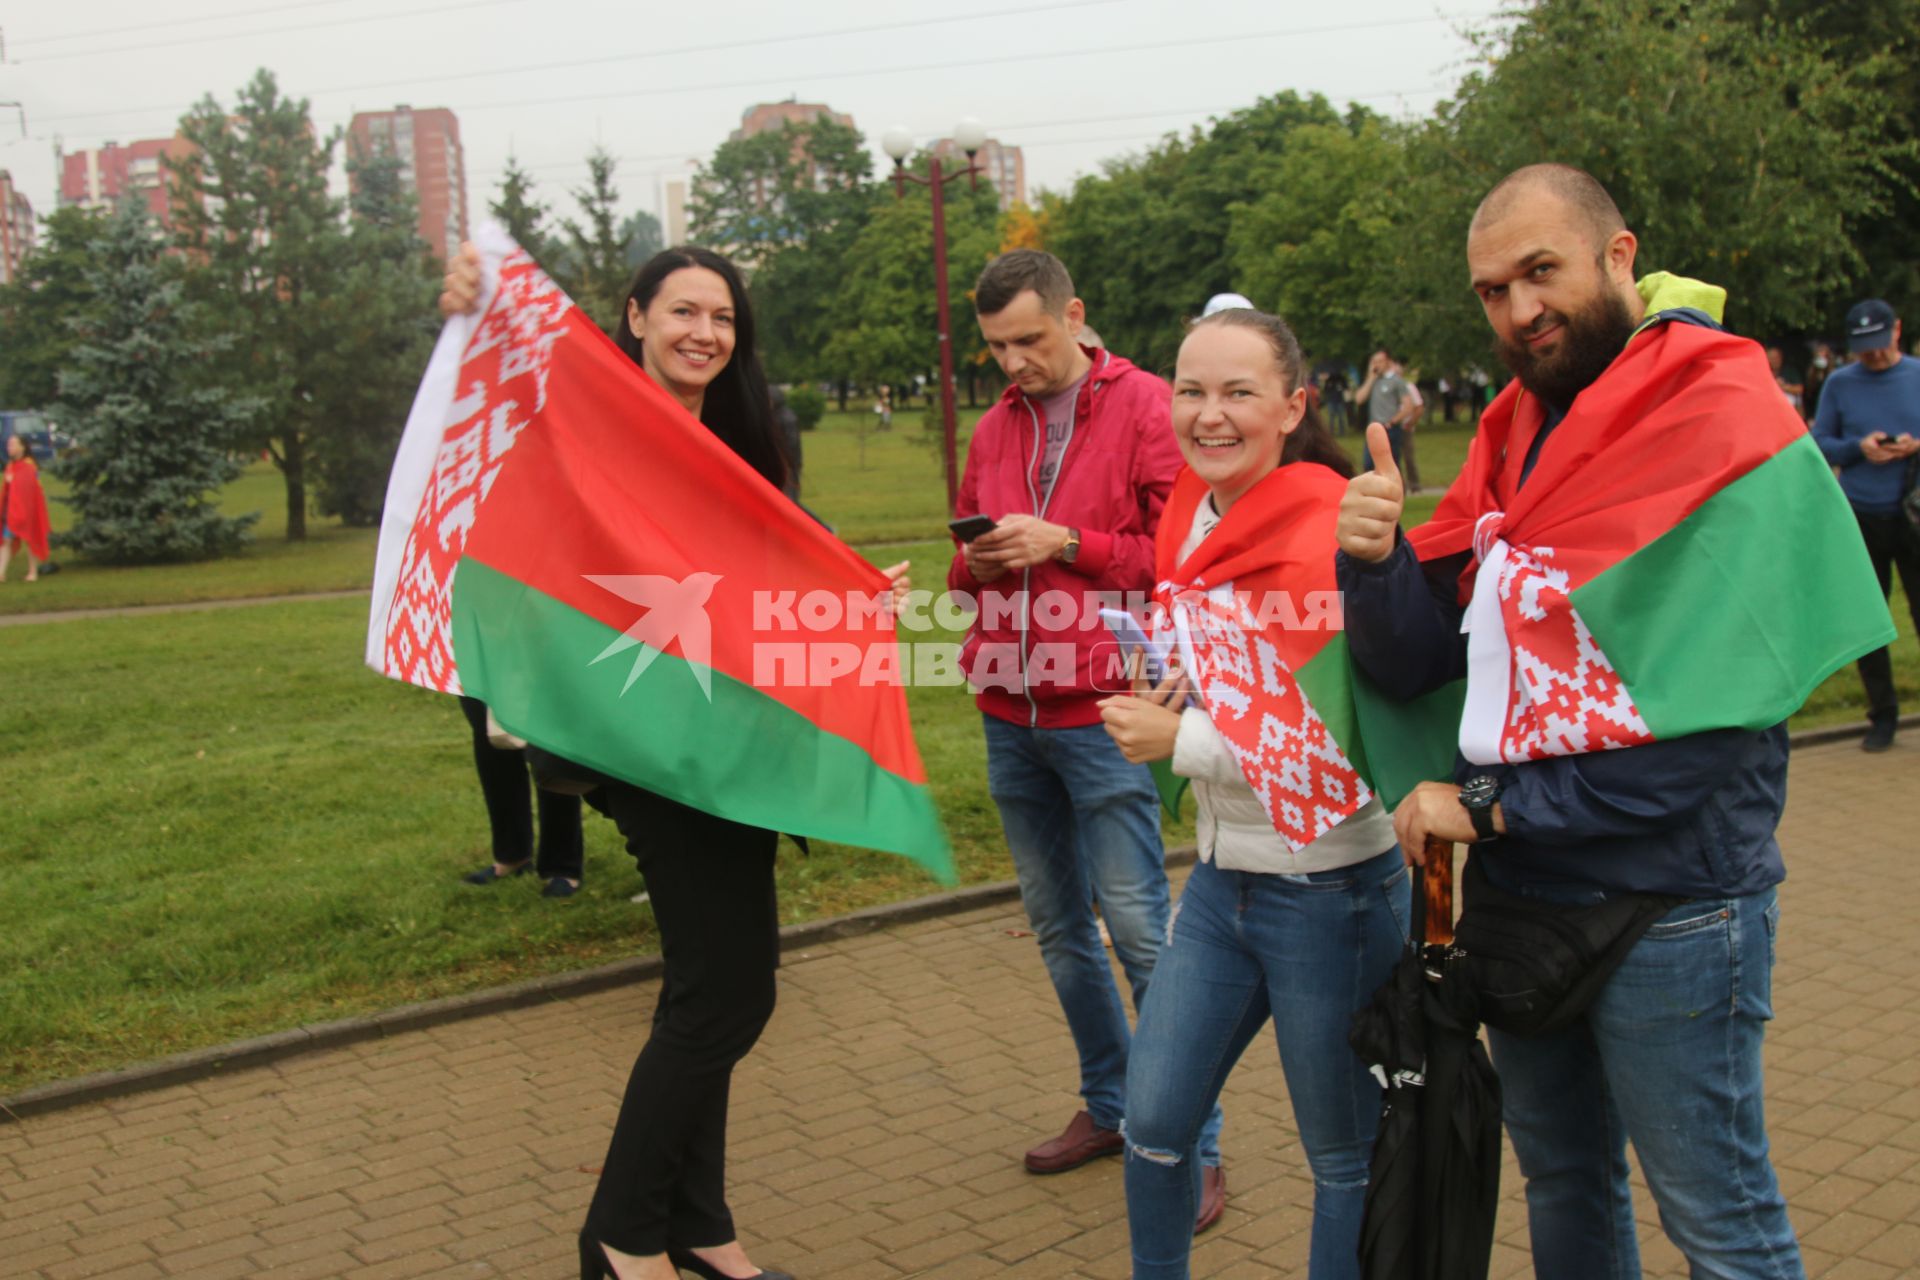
[1868, 426]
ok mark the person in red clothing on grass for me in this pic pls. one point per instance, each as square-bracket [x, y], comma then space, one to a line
[1074, 465]
[23, 511]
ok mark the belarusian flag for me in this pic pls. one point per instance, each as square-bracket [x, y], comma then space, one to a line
[1679, 559]
[565, 542]
[1256, 610]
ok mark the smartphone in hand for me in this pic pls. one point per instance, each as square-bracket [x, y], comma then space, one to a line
[967, 528]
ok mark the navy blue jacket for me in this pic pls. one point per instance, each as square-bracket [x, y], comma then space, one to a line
[1692, 816]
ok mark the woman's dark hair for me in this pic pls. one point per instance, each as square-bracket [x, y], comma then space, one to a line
[738, 407]
[1310, 441]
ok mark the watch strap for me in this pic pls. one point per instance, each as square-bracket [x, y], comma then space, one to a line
[1478, 798]
[1482, 818]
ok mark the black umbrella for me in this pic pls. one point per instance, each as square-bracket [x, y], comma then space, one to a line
[1435, 1178]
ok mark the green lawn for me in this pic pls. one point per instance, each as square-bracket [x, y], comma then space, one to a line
[219, 824]
[898, 496]
[333, 558]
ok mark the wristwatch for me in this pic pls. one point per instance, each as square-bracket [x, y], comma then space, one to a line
[1071, 552]
[1478, 798]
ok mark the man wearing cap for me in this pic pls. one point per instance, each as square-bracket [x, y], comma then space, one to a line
[1868, 425]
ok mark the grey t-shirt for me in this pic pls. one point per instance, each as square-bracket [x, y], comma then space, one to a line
[1056, 412]
[1390, 391]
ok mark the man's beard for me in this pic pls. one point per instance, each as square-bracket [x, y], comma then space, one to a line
[1593, 336]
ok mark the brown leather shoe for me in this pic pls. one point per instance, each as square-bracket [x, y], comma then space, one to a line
[1213, 1196]
[1082, 1141]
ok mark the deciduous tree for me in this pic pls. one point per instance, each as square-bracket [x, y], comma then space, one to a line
[1742, 151]
[1148, 240]
[883, 319]
[252, 212]
[789, 206]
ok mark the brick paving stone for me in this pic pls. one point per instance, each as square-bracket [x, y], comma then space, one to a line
[877, 1129]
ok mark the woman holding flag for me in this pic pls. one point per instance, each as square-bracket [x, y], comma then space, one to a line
[660, 1206]
[1298, 906]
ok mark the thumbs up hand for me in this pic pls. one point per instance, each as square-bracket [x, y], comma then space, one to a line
[1370, 513]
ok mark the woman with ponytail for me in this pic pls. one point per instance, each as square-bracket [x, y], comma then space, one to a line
[1298, 905]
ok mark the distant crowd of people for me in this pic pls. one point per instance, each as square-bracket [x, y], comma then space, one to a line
[1100, 478]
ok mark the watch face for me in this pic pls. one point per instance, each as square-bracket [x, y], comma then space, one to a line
[1479, 792]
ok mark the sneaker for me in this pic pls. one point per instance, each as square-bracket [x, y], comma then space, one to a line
[560, 887]
[1879, 736]
[1081, 1141]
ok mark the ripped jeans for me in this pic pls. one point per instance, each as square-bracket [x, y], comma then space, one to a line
[1305, 951]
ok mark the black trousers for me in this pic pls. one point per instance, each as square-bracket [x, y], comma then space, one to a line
[711, 885]
[1891, 542]
[509, 792]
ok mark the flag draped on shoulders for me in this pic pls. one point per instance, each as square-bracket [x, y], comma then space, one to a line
[1679, 559]
[23, 506]
[565, 542]
[1257, 614]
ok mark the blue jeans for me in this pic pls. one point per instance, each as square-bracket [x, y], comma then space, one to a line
[1083, 826]
[1306, 951]
[1668, 1058]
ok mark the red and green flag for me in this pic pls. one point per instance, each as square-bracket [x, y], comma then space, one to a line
[1679, 560]
[1256, 610]
[565, 542]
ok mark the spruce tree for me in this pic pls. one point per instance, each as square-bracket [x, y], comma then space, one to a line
[152, 438]
[521, 214]
[597, 252]
[379, 307]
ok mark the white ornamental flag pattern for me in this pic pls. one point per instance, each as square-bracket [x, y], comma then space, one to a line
[1563, 697]
[502, 383]
[1303, 780]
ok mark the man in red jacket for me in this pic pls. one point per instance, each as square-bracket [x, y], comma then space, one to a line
[1073, 464]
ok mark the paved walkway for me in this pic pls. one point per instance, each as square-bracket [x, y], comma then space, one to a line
[877, 1128]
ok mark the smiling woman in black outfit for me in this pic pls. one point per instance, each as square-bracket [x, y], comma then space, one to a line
[660, 1206]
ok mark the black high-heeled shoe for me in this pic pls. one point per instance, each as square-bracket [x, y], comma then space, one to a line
[594, 1263]
[688, 1260]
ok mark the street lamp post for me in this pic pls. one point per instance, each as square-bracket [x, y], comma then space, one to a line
[968, 135]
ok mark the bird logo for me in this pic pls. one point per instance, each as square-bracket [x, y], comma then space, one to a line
[675, 609]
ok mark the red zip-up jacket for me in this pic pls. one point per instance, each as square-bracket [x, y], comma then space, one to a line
[1029, 657]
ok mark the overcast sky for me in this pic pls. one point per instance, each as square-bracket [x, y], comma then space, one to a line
[1073, 82]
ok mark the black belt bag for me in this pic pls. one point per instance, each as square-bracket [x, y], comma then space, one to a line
[1535, 966]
